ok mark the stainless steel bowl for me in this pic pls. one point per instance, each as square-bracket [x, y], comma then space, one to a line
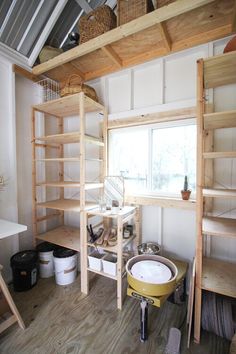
[149, 248]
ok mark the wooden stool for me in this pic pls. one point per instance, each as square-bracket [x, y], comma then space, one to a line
[8, 311]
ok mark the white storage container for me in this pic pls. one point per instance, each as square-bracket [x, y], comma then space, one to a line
[110, 264]
[95, 260]
[65, 263]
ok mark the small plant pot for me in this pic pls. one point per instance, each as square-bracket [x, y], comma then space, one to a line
[186, 194]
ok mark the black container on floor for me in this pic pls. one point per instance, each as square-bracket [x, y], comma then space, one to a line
[24, 269]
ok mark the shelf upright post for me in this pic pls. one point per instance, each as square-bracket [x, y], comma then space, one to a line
[34, 177]
[61, 166]
[119, 261]
[200, 184]
[83, 233]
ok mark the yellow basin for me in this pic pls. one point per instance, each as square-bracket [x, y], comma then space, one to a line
[150, 288]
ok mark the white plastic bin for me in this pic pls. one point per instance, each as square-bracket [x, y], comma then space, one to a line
[109, 263]
[46, 264]
[66, 264]
[95, 260]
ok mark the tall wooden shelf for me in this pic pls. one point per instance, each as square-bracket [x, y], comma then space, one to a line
[212, 274]
[74, 105]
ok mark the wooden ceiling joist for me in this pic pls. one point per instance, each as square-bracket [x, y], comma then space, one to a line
[165, 35]
[113, 55]
[181, 24]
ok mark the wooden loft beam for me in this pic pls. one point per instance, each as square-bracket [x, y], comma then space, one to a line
[153, 18]
[109, 51]
[27, 74]
[165, 36]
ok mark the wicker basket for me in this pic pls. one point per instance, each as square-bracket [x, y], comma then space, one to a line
[128, 10]
[96, 23]
[75, 85]
[48, 53]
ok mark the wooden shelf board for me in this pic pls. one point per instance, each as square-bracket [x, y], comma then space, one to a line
[68, 106]
[102, 273]
[112, 249]
[71, 184]
[220, 70]
[219, 193]
[187, 24]
[165, 202]
[125, 211]
[66, 205]
[219, 120]
[59, 159]
[217, 226]
[70, 138]
[220, 155]
[64, 236]
[219, 277]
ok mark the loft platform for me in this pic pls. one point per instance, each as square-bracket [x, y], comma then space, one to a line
[180, 25]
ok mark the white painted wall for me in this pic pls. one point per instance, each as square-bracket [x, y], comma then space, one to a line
[8, 197]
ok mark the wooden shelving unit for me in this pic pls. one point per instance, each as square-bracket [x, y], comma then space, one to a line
[212, 274]
[127, 214]
[73, 105]
[179, 25]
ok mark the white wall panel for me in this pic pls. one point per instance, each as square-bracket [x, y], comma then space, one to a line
[147, 85]
[119, 92]
[181, 73]
[179, 233]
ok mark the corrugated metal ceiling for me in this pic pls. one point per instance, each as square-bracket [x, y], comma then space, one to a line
[22, 22]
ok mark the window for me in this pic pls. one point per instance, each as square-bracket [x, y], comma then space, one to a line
[154, 158]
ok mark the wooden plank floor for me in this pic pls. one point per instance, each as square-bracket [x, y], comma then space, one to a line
[60, 320]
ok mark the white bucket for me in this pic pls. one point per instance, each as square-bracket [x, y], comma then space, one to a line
[46, 264]
[65, 269]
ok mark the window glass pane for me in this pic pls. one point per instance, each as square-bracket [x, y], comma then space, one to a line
[128, 151]
[173, 157]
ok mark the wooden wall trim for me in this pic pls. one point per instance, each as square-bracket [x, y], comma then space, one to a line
[151, 118]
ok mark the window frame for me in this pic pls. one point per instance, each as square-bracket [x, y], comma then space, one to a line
[171, 118]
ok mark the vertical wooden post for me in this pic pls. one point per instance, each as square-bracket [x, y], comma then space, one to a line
[119, 261]
[138, 228]
[34, 177]
[84, 253]
[105, 139]
[61, 166]
[83, 233]
[200, 183]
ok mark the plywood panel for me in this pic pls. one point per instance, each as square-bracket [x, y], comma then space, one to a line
[216, 14]
[138, 43]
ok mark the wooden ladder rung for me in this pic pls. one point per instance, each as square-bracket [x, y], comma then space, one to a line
[7, 323]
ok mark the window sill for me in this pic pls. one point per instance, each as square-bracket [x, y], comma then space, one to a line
[163, 202]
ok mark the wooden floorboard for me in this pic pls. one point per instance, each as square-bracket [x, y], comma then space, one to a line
[60, 320]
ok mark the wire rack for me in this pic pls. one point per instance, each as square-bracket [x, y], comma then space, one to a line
[48, 90]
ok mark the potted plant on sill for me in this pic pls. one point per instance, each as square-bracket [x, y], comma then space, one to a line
[186, 192]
